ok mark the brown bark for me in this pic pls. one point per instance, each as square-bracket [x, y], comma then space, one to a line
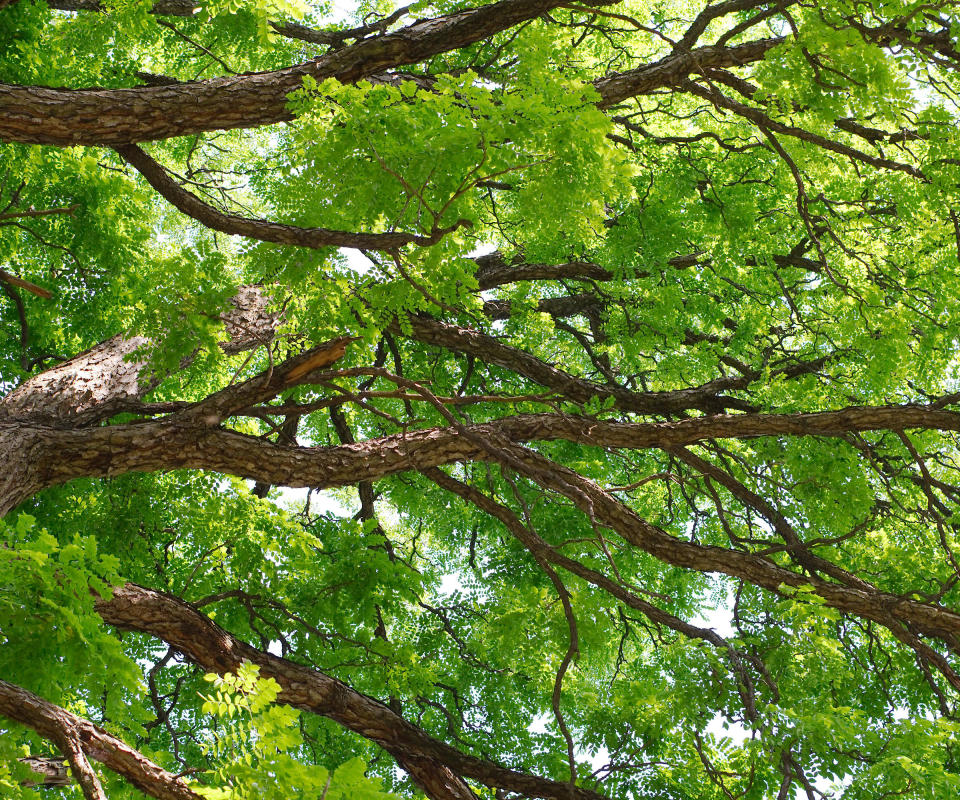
[170, 8]
[94, 384]
[84, 740]
[107, 379]
[112, 117]
[115, 117]
[493, 270]
[433, 765]
[40, 455]
[265, 231]
[569, 306]
[52, 771]
[13, 280]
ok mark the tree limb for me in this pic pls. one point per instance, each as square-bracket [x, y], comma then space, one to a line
[83, 740]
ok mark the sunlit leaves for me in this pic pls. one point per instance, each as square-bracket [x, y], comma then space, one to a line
[252, 746]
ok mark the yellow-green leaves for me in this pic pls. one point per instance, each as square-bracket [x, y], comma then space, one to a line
[254, 748]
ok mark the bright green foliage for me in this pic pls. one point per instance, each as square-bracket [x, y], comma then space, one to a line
[252, 744]
[50, 585]
[793, 249]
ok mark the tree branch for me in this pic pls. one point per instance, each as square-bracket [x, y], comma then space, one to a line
[263, 230]
[113, 117]
[81, 739]
[434, 766]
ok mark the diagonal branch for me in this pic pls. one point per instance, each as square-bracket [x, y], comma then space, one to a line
[112, 117]
[265, 231]
[13, 280]
[82, 740]
[542, 551]
[674, 68]
[762, 120]
[705, 398]
[40, 454]
[902, 616]
[434, 766]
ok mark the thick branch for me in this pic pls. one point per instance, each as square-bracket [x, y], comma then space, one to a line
[168, 8]
[60, 726]
[13, 280]
[112, 117]
[493, 270]
[90, 386]
[38, 456]
[900, 615]
[428, 761]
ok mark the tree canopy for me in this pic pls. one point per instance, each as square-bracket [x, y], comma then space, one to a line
[513, 399]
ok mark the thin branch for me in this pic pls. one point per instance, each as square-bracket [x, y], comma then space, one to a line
[263, 230]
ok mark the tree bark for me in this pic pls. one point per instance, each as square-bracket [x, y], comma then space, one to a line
[116, 117]
[37, 456]
[435, 766]
[70, 731]
[112, 117]
[91, 385]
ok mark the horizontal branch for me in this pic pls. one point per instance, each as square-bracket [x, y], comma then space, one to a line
[265, 231]
[493, 270]
[38, 456]
[169, 8]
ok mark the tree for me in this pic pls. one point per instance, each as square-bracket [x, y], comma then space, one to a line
[617, 342]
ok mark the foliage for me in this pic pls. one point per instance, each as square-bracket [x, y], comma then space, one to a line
[251, 747]
[624, 221]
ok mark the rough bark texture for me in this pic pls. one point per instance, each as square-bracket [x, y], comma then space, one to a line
[493, 270]
[112, 117]
[41, 456]
[170, 8]
[579, 390]
[248, 324]
[60, 726]
[116, 117]
[44, 455]
[435, 766]
[87, 387]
